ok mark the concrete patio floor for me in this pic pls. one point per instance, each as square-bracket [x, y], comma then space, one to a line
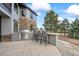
[27, 48]
[31, 48]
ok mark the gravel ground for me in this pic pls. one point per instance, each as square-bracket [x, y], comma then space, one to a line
[67, 48]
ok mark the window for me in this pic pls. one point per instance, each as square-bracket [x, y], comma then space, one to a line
[23, 13]
[31, 15]
[16, 8]
[31, 27]
[15, 26]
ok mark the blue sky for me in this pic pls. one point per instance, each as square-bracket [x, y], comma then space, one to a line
[64, 10]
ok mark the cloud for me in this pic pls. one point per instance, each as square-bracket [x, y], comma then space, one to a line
[73, 10]
[70, 19]
[41, 6]
[40, 22]
[38, 13]
[54, 1]
[30, 1]
[46, 1]
[38, 5]
[60, 18]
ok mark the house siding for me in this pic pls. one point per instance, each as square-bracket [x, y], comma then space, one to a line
[15, 16]
[5, 25]
[8, 17]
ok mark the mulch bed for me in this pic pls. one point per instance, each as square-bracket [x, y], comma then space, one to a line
[66, 38]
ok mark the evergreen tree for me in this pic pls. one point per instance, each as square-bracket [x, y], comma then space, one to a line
[51, 21]
[64, 26]
[74, 30]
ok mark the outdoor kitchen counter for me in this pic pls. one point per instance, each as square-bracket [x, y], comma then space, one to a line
[52, 38]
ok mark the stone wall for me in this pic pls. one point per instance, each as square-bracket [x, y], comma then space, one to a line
[6, 38]
[25, 23]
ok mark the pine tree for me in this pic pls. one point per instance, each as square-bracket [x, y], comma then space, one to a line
[51, 21]
[74, 30]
